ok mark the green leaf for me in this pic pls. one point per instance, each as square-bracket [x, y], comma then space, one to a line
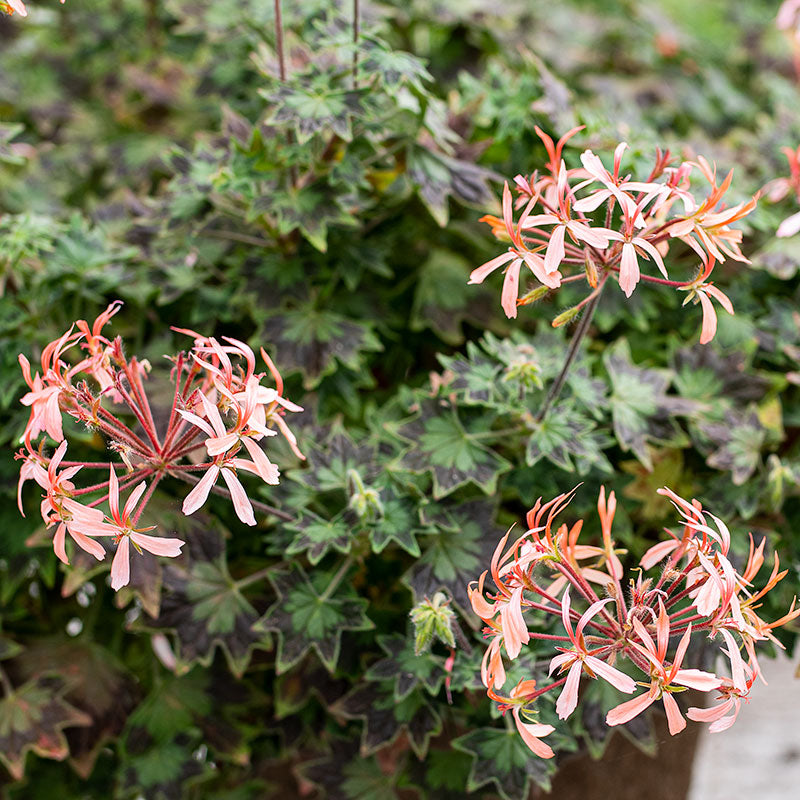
[458, 554]
[500, 757]
[444, 448]
[408, 670]
[33, 717]
[436, 177]
[563, 435]
[203, 606]
[399, 524]
[738, 441]
[640, 408]
[317, 536]
[312, 341]
[305, 618]
[385, 717]
[314, 109]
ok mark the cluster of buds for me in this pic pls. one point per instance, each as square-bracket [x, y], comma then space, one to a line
[220, 413]
[599, 223]
[621, 638]
[778, 189]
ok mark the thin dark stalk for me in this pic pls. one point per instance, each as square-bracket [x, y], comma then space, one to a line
[276, 512]
[574, 347]
[356, 21]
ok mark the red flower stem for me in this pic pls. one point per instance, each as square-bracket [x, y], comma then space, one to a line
[540, 692]
[700, 627]
[135, 475]
[549, 637]
[171, 454]
[276, 512]
[187, 450]
[139, 416]
[124, 484]
[137, 385]
[586, 590]
[188, 467]
[122, 431]
[173, 412]
[147, 495]
[87, 464]
[678, 597]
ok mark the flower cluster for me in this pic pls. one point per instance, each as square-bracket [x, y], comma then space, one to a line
[780, 188]
[624, 638]
[598, 222]
[220, 414]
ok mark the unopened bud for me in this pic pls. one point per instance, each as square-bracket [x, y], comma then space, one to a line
[566, 316]
[591, 270]
[533, 295]
[433, 619]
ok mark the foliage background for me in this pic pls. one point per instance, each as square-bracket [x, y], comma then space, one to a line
[150, 152]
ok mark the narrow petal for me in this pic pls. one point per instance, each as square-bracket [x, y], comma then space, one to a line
[158, 545]
[133, 499]
[59, 543]
[675, 719]
[241, 504]
[619, 680]
[510, 293]
[120, 566]
[709, 328]
[198, 496]
[113, 495]
[531, 733]
[626, 711]
[697, 679]
[789, 227]
[266, 469]
[628, 269]
[89, 545]
[555, 249]
[479, 274]
[568, 699]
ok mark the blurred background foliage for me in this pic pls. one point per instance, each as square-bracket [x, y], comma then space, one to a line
[151, 152]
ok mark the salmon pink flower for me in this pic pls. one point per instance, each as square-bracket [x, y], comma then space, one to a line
[664, 679]
[121, 526]
[578, 660]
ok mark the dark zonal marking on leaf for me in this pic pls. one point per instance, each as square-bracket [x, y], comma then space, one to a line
[437, 177]
[441, 446]
[344, 775]
[313, 111]
[95, 684]
[641, 409]
[203, 607]
[385, 717]
[502, 758]
[304, 620]
[34, 717]
[408, 670]
[730, 375]
[293, 689]
[329, 462]
[313, 341]
[458, 553]
[163, 772]
[738, 441]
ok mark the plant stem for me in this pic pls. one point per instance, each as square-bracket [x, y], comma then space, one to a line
[574, 347]
[356, 14]
[254, 577]
[337, 578]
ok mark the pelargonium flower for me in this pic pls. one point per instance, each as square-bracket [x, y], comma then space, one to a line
[698, 594]
[597, 224]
